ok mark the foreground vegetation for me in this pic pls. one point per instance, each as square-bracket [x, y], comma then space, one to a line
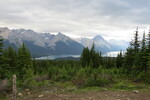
[93, 70]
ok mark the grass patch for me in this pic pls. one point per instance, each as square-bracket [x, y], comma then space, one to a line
[128, 86]
[121, 85]
[64, 85]
[3, 97]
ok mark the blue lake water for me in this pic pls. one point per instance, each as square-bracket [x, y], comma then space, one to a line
[113, 53]
[52, 57]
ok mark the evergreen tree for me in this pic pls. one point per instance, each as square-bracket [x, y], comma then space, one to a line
[10, 60]
[100, 59]
[133, 50]
[119, 60]
[136, 48]
[132, 57]
[148, 42]
[143, 43]
[129, 57]
[136, 42]
[143, 55]
[95, 57]
[85, 57]
[91, 57]
[148, 49]
[24, 61]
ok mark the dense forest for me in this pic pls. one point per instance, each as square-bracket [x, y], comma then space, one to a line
[91, 70]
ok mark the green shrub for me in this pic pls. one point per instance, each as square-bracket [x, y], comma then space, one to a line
[144, 76]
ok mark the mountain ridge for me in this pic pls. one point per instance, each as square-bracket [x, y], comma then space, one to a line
[45, 44]
[103, 45]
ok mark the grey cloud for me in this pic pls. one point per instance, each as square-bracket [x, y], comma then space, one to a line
[76, 16]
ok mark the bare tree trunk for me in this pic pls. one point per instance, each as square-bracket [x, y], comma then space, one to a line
[14, 88]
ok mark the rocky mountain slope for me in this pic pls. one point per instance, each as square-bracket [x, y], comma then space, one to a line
[40, 44]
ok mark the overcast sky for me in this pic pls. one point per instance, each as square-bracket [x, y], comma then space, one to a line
[113, 19]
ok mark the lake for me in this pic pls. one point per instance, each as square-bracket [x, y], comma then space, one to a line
[52, 57]
[112, 53]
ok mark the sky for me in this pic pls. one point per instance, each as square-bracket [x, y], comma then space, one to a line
[113, 19]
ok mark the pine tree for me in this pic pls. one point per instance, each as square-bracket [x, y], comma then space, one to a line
[136, 45]
[148, 42]
[136, 42]
[10, 60]
[148, 49]
[100, 59]
[129, 57]
[143, 55]
[85, 57]
[24, 61]
[119, 60]
[95, 57]
[132, 55]
[143, 43]
[91, 57]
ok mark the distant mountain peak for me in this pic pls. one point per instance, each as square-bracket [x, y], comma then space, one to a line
[4, 28]
[98, 37]
[60, 34]
[4, 32]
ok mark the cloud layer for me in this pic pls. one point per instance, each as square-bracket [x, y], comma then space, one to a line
[111, 18]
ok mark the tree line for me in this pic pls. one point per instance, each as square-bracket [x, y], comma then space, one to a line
[14, 62]
[135, 62]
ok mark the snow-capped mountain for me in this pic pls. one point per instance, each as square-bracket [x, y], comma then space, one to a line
[42, 44]
[103, 45]
[86, 42]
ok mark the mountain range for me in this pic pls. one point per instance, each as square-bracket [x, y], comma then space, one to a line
[103, 45]
[45, 44]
